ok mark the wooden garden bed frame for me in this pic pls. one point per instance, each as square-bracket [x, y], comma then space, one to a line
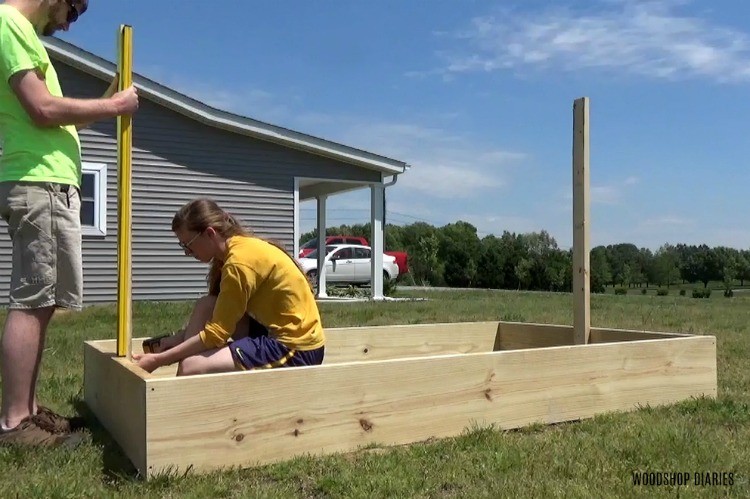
[389, 385]
[395, 385]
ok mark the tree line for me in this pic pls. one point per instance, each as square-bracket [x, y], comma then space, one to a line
[454, 255]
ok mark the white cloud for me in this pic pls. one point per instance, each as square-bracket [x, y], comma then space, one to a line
[496, 224]
[648, 38]
[252, 102]
[665, 221]
[729, 236]
[656, 231]
[610, 194]
[444, 165]
[447, 171]
[606, 194]
[447, 168]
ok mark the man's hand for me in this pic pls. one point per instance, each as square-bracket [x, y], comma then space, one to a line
[127, 100]
[148, 361]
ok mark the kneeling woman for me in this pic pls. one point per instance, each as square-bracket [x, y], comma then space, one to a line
[260, 312]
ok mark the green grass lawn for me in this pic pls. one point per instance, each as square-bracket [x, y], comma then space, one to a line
[592, 458]
[716, 287]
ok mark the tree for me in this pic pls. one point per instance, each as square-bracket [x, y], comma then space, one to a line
[645, 262]
[514, 250]
[727, 260]
[459, 251]
[420, 241]
[523, 272]
[685, 253]
[743, 266]
[664, 268]
[558, 272]
[621, 256]
[702, 265]
[626, 275]
[425, 264]
[600, 272]
[491, 263]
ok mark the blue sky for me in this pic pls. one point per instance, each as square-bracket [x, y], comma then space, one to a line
[477, 96]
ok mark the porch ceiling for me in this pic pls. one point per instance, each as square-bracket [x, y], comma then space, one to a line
[310, 188]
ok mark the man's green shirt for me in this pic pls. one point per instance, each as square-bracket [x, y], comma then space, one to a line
[31, 153]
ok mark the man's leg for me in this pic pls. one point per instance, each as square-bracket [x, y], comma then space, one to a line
[44, 226]
[22, 347]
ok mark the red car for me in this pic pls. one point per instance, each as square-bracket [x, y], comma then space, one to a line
[402, 259]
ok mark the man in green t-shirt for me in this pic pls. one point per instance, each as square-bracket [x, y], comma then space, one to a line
[40, 175]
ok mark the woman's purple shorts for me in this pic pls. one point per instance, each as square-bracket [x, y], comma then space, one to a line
[261, 351]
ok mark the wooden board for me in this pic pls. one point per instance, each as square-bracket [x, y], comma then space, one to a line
[244, 419]
[391, 342]
[581, 222]
[521, 335]
[354, 344]
[605, 335]
[115, 391]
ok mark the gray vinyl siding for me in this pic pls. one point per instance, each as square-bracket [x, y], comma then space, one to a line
[176, 159]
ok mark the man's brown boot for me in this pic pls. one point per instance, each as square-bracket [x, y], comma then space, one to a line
[47, 418]
[30, 434]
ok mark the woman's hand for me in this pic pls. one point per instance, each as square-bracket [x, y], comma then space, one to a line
[187, 348]
[148, 361]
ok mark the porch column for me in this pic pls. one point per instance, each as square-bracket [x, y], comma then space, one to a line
[377, 213]
[322, 246]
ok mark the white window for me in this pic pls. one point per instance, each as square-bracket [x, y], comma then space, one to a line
[94, 199]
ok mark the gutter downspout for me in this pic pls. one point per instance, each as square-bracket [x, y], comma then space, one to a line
[392, 182]
[385, 186]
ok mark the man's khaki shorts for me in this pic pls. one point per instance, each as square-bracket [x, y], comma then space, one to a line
[45, 227]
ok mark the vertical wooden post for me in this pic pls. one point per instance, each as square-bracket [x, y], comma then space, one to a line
[581, 223]
[124, 199]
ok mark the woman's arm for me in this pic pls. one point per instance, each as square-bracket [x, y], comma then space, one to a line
[228, 310]
[152, 361]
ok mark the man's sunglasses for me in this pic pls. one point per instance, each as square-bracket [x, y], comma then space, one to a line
[73, 13]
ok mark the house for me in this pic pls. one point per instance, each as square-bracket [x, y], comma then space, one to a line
[183, 149]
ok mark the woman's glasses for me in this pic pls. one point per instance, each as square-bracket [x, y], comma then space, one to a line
[186, 246]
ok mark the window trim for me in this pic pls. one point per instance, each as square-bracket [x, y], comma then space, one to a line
[99, 170]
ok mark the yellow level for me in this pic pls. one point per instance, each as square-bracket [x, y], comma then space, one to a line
[124, 199]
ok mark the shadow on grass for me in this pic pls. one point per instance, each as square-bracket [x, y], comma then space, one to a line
[116, 466]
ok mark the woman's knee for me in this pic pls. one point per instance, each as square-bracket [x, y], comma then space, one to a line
[191, 366]
[216, 361]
